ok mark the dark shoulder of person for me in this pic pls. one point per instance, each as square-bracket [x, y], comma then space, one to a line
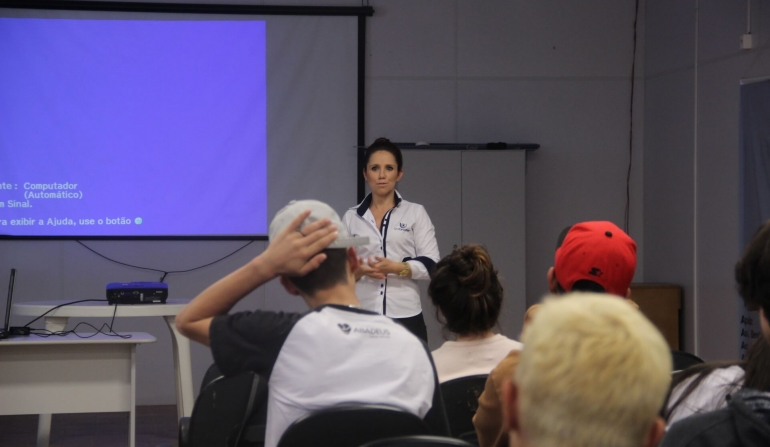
[250, 341]
[714, 429]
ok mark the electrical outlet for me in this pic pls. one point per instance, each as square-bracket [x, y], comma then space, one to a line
[747, 42]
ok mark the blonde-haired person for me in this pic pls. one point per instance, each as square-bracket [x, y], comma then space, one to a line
[593, 372]
[468, 297]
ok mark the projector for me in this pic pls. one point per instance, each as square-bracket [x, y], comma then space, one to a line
[137, 292]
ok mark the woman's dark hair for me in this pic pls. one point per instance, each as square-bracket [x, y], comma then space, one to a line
[757, 365]
[466, 291]
[757, 375]
[752, 272]
[383, 144]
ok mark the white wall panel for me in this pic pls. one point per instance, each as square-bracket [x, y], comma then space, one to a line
[668, 198]
[545, 38]
[669, 35]
[411, 110]
[720, 26]
[412, 38]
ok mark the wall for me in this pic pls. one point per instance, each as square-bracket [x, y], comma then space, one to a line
[555, 73]
[692, 197]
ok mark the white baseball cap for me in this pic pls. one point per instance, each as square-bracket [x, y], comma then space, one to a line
[318, 211]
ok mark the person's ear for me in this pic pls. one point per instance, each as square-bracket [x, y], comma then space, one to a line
[553, 283]
[628, 294]
[510, 406]
[400, 174]
[656, 432]
[290, 288]
[353, 260]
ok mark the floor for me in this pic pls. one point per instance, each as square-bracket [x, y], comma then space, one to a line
[156, 426]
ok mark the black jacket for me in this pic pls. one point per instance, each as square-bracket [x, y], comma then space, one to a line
[744, 423]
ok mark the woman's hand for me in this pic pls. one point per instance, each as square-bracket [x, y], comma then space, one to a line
[365, 269]
[386, 266]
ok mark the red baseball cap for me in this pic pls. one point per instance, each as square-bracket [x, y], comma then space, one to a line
[596, 251]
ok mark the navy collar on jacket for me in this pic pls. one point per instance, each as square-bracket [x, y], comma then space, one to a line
[367, 202]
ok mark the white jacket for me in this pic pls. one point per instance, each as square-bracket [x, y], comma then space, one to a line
[407, 235]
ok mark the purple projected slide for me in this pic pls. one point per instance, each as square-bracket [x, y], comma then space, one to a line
[132, 128]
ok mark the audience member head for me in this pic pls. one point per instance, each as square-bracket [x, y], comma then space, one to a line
[593, 372]
[466, 291]
[752, 273]
[341, 259]
[383, 144]
[593, 257]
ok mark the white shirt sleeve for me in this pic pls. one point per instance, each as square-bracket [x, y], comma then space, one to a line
[425, 243]
[711, 394]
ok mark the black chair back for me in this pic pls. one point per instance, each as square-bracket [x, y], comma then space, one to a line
[221, 409]
[683, 360]
[212, 373]
[351, 426]
[419, 441]
[436, 418]
[461, 399]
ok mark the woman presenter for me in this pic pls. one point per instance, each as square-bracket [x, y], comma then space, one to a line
[402, 242]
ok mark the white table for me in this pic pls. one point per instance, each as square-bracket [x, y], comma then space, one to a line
[57, 321]
[70, 375]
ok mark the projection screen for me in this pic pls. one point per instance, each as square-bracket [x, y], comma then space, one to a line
[184, 124]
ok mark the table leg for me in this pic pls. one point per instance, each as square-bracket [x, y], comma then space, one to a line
[183, 368]
[132, 414]
[43, 430]
[52, 324]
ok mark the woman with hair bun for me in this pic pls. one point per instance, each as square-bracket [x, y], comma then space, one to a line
[468, 297]
[402, 245]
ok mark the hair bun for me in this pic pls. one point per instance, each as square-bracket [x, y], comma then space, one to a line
[466, 291]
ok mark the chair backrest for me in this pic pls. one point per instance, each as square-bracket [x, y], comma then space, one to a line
[419, 441]
[212, 373]
[436, 418]
[351, 426]
[221, 407]
[683, 360]
[461, 399]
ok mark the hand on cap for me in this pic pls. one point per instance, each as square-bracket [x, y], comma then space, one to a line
[296, 253]
[365, 269]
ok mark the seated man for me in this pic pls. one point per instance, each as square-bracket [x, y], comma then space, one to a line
[336, 353]
[590, 257]
[745, 422]
[593, 372]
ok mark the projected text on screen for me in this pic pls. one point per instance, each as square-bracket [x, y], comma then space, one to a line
[132, 127]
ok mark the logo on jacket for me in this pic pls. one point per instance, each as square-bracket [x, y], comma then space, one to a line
[402, 227]
[372, 332]
[344, 327]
